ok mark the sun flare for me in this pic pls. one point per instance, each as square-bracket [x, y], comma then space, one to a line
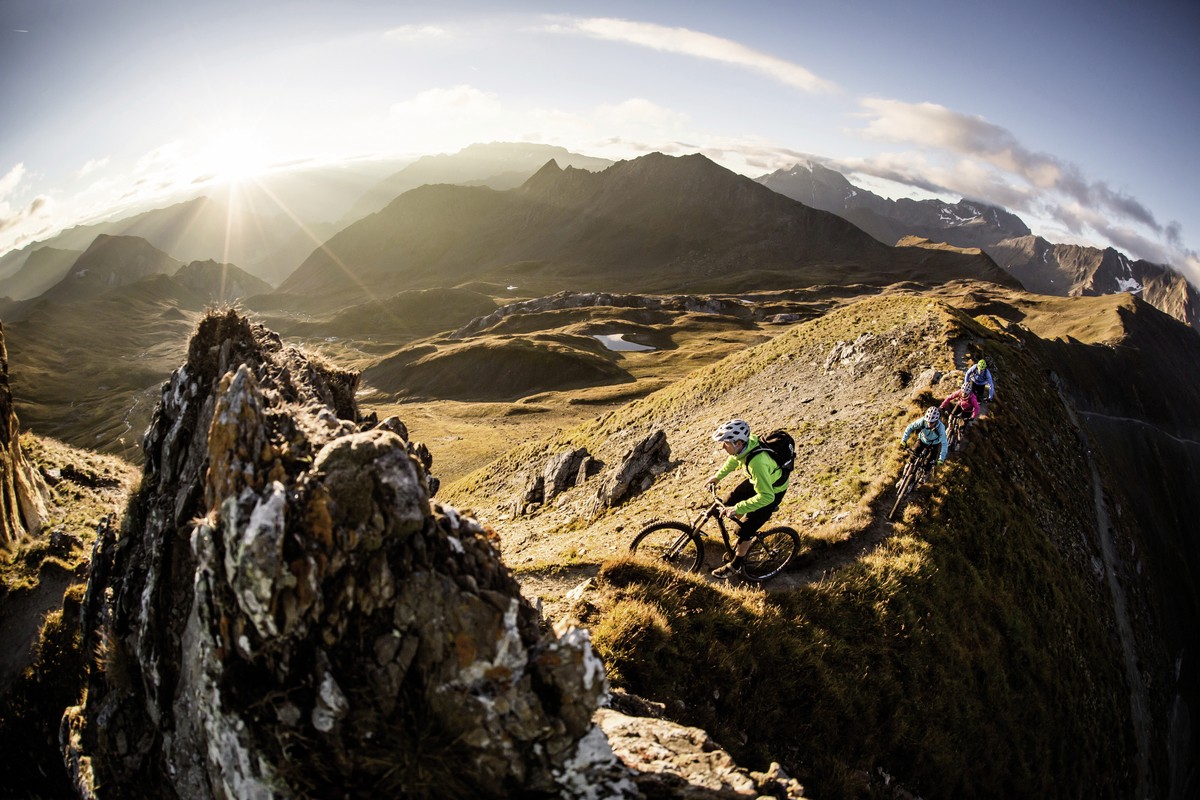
[233, 156]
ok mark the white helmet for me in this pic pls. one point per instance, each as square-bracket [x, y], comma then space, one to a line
[736, 430]
[932, 417]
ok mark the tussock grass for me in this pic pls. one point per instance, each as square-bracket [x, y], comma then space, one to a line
[970, 655]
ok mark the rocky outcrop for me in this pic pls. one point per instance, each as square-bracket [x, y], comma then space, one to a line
[24, 496]
[564, 471]
[636, 472]
[285, 612]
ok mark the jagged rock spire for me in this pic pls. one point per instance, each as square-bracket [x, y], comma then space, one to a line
[24, 496]
[286, 612]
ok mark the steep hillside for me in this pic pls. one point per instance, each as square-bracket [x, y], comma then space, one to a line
[41, 587]
[1004, 639]
[655, 223]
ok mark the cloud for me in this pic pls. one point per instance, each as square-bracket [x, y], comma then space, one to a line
[933, 126]
[37, 208]
[92, 166]
[10, 218]
[414, 33]
[459, 101]
[11, 180]
[693, 43]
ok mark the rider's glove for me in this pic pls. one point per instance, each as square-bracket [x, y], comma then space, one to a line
[710, 485]
[902, 445]
[941, 461]
[729, 512]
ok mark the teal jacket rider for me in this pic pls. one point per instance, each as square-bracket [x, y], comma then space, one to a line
[763, 473]
[928, 436]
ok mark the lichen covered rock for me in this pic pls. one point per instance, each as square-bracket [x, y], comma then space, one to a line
[285, 612]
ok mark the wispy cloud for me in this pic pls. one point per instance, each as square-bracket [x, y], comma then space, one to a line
[414, 33]
[969, 156]
[12, 218]
[91, 166]
[934, 126]
[693, 43]
[11, 180]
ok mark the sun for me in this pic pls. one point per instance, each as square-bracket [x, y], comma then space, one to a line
[233, 155]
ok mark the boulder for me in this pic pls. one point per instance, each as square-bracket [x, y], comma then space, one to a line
[284, 611]
[636, 471]
[562, 472]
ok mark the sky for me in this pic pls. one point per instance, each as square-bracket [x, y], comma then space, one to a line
[1081, 118]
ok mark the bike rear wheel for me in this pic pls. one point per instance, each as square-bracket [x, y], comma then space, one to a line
[771, 553]
[671, 543]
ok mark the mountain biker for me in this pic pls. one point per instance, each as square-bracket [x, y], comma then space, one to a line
[930, 433]
[757, 497]
[962, 400]
[979, 376]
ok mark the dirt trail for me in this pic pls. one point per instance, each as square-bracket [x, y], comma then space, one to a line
[810, 567]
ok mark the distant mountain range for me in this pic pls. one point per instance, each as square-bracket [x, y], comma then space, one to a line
[116, 262]
[268, 245]
[268, 226]
[655, 223]
[497, 165]
[1041, 266]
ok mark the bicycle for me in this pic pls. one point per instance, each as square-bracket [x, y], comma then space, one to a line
[954, 429]
[918, 468]
[682, 545]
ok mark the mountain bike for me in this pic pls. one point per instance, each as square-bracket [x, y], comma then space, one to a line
[916, 471]
[682, 545]
[954, 429]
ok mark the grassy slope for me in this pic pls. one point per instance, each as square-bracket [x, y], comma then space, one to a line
[971, 655]
[30, 708]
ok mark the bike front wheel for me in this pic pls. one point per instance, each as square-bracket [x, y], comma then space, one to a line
[907, 481]
[954, 435]
[672, 543]
[771, 553]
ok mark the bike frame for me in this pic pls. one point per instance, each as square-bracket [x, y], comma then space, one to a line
[714, 511]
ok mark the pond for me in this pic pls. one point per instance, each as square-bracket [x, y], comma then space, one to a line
[616, 341]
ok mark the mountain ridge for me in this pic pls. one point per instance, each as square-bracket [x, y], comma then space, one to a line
[656, 223]
[1041, 266]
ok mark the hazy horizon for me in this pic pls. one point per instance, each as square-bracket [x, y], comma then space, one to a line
[1082, 126]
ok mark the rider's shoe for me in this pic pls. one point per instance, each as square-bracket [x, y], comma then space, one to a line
[726, 571]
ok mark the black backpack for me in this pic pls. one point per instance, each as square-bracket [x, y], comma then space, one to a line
[782, 447]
